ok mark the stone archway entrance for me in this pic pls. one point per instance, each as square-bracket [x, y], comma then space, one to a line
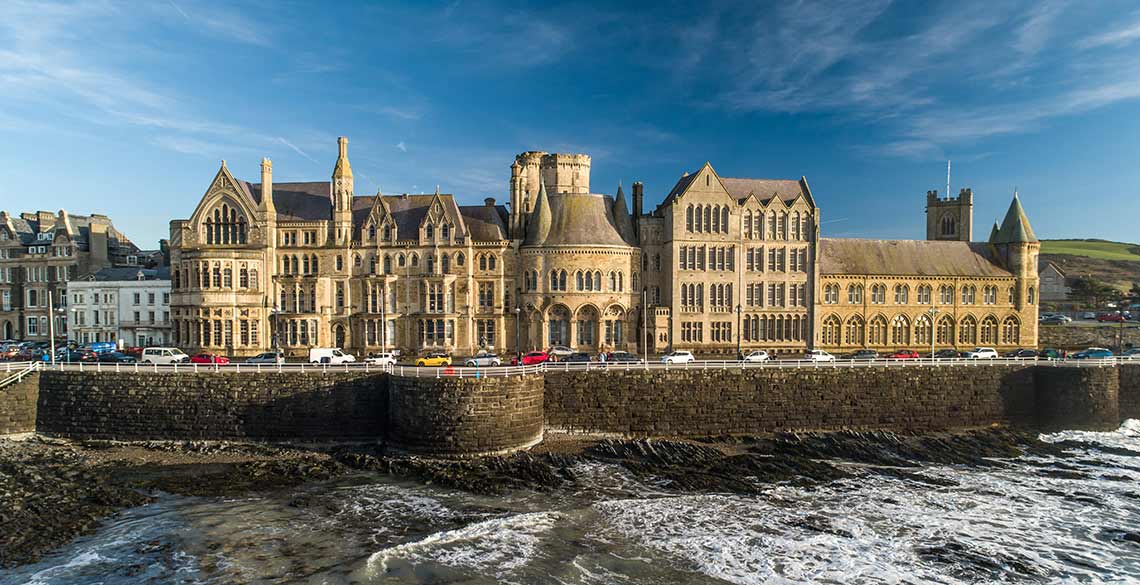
[338, 336]
[8, 332]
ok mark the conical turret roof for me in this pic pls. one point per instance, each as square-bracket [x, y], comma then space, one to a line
[994, 233]
[622, 218]
[1015, 227]
[540, 219]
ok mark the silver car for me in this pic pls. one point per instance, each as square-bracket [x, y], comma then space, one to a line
[269, 357]
[483, 360]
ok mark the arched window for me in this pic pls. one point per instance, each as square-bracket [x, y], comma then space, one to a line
[253, 278]
[446, 232]
[445, 263]
[387, 264]
[902, 293]
[460, 259]
[482, 261]
[968, 330]
[371, 264]
[855, 294]
[306, 265]
[401, 260]
[900, 330]
[597, 280]
[371, 232]
[562, 280]
[387, 233]
[724, 219]
[923, 330]
[1010, 331]
[243, 277]
[877, 331]
[829, 333]
[989, 330]
[708, 217]
[1031, 296]
[949, 225]
[430, 231]
[491, 263]
[924, 294]
[339, 263]
[945, 334]
[716, 220]
[689, 218]
[578, 279]
[430, 263]
[855, 331]
[553, 280]
[415, 260]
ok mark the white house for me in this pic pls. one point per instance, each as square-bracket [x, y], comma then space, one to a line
[126, 305]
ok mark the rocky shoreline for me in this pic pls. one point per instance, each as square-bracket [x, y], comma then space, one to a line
[52, 491]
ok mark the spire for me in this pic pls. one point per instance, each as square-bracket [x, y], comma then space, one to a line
[622, 218]
[540, 219]
[1015, 227]
[994, 233]
[342, 169]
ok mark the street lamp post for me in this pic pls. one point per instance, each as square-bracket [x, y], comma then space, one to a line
[739, 355]
[645, 321]
[51, 325]
[518, 333]
[933, 328]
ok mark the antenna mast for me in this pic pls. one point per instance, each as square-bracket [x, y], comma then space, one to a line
[947, 178]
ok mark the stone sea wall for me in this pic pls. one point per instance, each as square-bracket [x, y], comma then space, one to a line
[699, 402]
[1077, 337]
[18, 405]
[1129, 391]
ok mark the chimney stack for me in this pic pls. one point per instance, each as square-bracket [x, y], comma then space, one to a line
[638, 197]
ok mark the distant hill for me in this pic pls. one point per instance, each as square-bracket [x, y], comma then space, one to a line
[1115, 263]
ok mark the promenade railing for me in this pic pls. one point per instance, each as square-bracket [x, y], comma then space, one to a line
[15, 370]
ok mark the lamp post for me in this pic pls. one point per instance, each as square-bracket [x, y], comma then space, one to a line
[51, 324]
[645, 321]
[739, 355]
[518, 334]
[933, 327]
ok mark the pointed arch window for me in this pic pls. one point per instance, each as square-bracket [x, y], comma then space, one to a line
[430, 231]
[855, 331]
[724, 219]
[829, 333]
[900, 331]
[689, 218]
[387, 233]
[1010, 331]
[877, 331]
[968, 330]
[445, 232]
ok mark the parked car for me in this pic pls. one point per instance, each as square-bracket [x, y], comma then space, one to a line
[622, 356]
[985, 353]
[102, 346]
[757, 356]
[209, 358]
[904, 354]
[944, 354]
[1131, 353]
[1092, 353]
[383, 359]
[559, 351]
[330, 355]
[71, 355]
[818, 355]
[434, 359]
[164, 355]
[1021, 353]
[1110, 318]
[1056, 320]
[483, 360]
[864, 354]
[678, 357]
[578, 357]
[116, 357]
[532, 358]
[1050, 353]
[269, 357]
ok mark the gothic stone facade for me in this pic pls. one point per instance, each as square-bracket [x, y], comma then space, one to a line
[721, 262]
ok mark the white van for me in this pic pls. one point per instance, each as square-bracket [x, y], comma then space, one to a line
[330, 355]
[164, 355]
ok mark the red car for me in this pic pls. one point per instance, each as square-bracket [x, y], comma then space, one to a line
[904, 354]
[1111, 317]
[534, 357]
[206, 358]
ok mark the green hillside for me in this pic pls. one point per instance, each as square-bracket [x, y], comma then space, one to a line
[1099, 249]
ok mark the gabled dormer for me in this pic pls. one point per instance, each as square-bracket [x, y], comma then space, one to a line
[379, 227]
[223, 216]
[437, 227]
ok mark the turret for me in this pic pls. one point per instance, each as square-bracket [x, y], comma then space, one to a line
[538, 228]
[1017, 246]
[622, 219]
[951, 218]
[342, 189]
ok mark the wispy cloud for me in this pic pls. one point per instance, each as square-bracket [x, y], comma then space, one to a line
[401, 146]
[1118, 37]
[296, 149]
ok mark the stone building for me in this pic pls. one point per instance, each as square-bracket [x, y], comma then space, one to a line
[720, 263]
[39, 253]
[1054, 283]
[126, 305]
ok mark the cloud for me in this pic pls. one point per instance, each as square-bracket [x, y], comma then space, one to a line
[1118, 37]
[401, 146]
[296, 149]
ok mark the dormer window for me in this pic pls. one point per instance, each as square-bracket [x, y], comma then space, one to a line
[430, 231]
[446, 232]
[372, 233]
[387, 233]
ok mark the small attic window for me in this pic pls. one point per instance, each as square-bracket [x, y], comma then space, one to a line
[708, 181]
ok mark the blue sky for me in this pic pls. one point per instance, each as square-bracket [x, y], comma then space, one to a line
[127, 108]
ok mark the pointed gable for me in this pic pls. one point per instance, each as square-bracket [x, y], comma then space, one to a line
[224, 185]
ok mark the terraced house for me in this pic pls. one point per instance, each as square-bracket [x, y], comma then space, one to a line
[720, 263]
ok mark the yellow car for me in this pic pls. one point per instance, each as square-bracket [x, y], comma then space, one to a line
[434, 359]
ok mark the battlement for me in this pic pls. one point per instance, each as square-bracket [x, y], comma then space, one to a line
[965, 195]
[561, 172]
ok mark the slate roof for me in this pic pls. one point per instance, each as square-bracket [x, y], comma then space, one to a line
[26, 231]
[907, 258]
[739, 188]
[485, 223]
[298, 201]
[122, 273]
[576, 219]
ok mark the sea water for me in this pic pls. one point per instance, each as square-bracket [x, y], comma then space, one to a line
[1035, 520]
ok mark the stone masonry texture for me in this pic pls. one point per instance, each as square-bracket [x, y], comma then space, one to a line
[18, 405]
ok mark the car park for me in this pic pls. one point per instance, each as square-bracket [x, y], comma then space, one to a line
[904, 354]
[383, 359]
[1093, 354]
[330, 355]
[116, 357]
[678, 357]
[483, 360]
[818, 355]
[164, 355]
[532, 358]
[757, 356]
[985, 353]
[269, 357]
[209, 358]
[434, 359]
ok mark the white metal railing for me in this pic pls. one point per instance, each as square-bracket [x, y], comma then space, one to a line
[12, 378]
[23, 368]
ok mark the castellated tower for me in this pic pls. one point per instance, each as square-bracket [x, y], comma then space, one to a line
[561, 173]
[951, 218]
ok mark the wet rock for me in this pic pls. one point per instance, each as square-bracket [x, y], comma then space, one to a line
[967, 562]
[1130, 537]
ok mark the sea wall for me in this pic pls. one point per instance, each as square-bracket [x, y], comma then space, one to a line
[18, 405]
[465, 416]
[696, 402]
[265, 406]
[1077, 337]
[1129, 391]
